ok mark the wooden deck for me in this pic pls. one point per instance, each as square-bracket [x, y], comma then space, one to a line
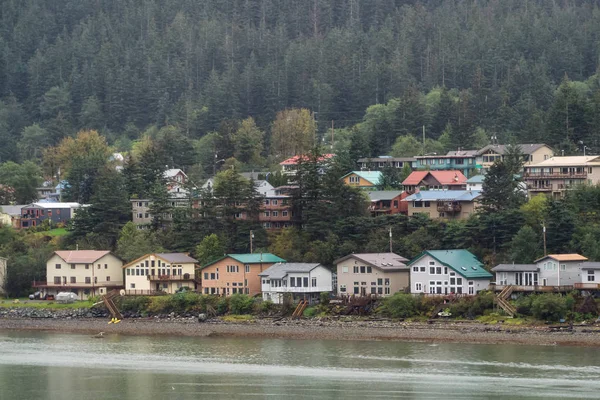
[534, 288]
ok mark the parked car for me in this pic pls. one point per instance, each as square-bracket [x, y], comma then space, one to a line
[37, 296]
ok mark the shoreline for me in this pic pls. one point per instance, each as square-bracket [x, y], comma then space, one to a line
[444, 332]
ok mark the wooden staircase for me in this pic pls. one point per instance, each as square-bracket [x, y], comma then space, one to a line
[502, 301]
[107, 299]
[300, 309]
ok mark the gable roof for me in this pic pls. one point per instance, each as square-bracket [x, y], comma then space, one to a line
[451, 177]
[379, 195]
[172, 258]
[81, 256]
[296, 159]
[564, 257]
[476, 179]
[47, 205]
[370, 176]
[445, 195]
[527, 148]
[170, 173]
[515, 267]
[461, 261]
[462, 153]
[568, 160]
[383, 261]
[250, 258]
[280, 270]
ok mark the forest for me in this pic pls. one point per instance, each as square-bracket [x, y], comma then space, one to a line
[476, 69]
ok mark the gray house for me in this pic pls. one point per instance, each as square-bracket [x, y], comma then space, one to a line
[36, 213]
[554, 271]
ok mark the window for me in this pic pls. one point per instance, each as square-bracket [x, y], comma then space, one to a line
[95, 279]
[57, 280]
[356, 270]
[284, 213]
[267, 213]
[431, 270]
[247, 267]
[356, 289]
[105, 266]
[275, 213]
[438, 270]
[590, 276]
[362, 269]
[418, 287]
[275, 202]
[267, 202]
[373, 290]
[563, 267]
[73, 279]
[72, 266]
[422, 269]
[128, 271]
[212, 275]
[380, 281]
[88, 280]
[373, 283]
[314, 282]
[342, 288]
[387, 290]
[431, 262]
[292, 282]
[415, 269]
[57, 266]
[344, 270]
[369, 270]
[387, 281]
[99, 266]
[132, 285]
[363, 283]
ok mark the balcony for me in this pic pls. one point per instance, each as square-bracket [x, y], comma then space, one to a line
[287, 289]
[533, 288]
[556, 175]
[587, 285]
[172, 278]
[449, 207]
[76, 285]
[539, 188]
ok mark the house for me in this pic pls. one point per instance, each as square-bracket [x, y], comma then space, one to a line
[175, 176]
[554, 271]
[556, 175]
[380, 274]
[290, 166]
[264, 188]
[435, 180]
[11, 215]
[381, 162]
[362, 179]
[387, 202]
[448, 272]
[590, 276]
[475, 182]
[533, 153]
[160, 272]
[448, 204]
[236, 273]
[3, 275]
[141, 212]
[276, 211]
[83, 272]
[298, 280]
[462, 160]
[56, 213]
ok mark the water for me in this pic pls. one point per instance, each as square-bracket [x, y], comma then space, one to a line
[57, 366]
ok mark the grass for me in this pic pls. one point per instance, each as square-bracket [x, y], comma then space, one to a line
[26, 303]
[56, 232]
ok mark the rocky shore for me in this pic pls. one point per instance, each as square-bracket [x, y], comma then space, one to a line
[84, 321]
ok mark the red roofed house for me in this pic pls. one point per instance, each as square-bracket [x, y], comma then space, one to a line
[290, 166]
[435, 180]
[83, 272]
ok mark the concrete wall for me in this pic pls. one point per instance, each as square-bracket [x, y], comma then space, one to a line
[376, 279]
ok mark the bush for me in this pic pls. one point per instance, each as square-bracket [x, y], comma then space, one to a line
[265, 306]
[324, 298]
[523, 305]
[223, 305]
[400, 305]
[549, 307]
[135, 303]
[160, 304]
[241, 304]
[310, 312]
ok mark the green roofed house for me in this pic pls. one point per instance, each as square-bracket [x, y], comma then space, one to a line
[236, 273]
[362, 179]
[442, 272]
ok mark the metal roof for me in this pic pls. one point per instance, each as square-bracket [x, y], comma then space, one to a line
[564, 257]
[515, 267]
[81, 256]
[384, 194]
[590, 265]
[527, 148]
[450, 177]
[462, 261]
[444, 195]
[567, 161]
[52, 205]
[280, 270]
[383, 261]
[176, 257]
[476, 179]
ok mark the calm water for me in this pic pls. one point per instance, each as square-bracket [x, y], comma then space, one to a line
[52, 366]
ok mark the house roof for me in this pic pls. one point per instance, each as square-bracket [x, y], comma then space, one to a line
[462, 153]
[294, 160]
[370, 176]
[383, 261]
[476, 179]
[527, 148]
[590, 265]
[11, 210]
[462, 261]
[515, 267]
[568, 161]
[52, 205]
[280, 270]
[81, 256]
[379, 195]
[564, 257]
[450, 177]
[253, 258]
[444, 195]
[170, 173]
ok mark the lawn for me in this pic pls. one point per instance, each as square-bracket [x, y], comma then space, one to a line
[56, 232]
[26, 303]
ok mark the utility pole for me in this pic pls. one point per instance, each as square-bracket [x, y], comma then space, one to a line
[391, 248]
[251, 237]
[424, 140]
[544, 233]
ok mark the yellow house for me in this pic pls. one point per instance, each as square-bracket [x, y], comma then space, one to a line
[362, 179]
[83, 272]
[160, 272]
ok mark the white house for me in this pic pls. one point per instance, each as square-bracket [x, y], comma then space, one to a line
[301, 280]
[590, 275]
[83, 272]
[444, 272]
[166, 272]
[553, 270]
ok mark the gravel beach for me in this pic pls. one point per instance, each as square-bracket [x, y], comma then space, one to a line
[315, 329]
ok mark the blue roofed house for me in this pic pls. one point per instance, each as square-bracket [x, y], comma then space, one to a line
[448, 204]
[362, 179]
[443, 272]
[475, 182]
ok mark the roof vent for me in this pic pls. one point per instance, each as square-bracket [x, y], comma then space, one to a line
[463, 268]
[474, 268]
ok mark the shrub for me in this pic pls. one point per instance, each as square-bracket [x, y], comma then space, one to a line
[523, 305]
[324, 298]
[265, 307]
[223, 305]
[241, 304]
[400, 305]
[548, 306]
[135, 303]
[310, 312]
[160, 304]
